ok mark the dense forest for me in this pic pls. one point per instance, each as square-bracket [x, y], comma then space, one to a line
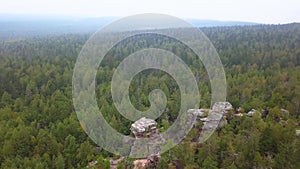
[39, 127]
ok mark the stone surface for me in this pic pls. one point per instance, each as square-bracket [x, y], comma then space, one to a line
[284, 112]
[298, 133]
[213, 120]
[148, 138]
[199, 112]
[145, 147]
[143, 127]
[222, 106]
[252, 112]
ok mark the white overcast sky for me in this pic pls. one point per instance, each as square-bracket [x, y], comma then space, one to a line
[262, 11]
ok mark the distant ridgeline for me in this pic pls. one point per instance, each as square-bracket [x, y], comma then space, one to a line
[39, 128]
[12, 27]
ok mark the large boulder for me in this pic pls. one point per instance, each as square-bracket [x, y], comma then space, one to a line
[213, 121]
[143, 127]
[146, 128]
[298, 133]
[222, 106]
[252, 112]
[284, 112]
[199, 113]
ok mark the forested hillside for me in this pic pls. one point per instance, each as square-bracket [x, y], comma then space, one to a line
[39, 127]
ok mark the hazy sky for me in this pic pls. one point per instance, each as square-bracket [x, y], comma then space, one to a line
[263, 11]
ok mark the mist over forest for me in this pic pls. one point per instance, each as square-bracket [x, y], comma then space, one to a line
[39, 127]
